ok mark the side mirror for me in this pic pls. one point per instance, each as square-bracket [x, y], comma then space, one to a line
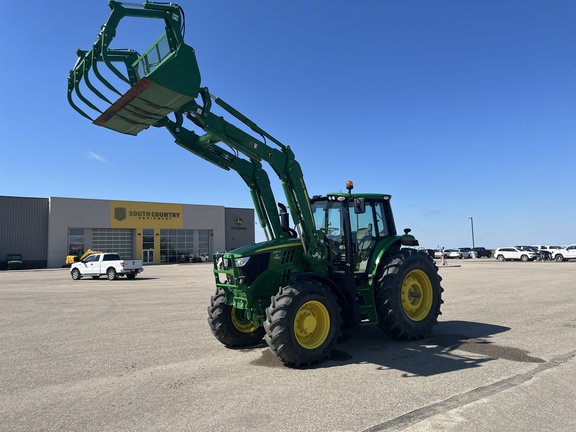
[359, 205]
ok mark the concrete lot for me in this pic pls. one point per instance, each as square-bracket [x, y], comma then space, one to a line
[99, 355]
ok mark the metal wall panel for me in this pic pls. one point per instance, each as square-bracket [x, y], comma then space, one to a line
[24, 229]
[239, 227]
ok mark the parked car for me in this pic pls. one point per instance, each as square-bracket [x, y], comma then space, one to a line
[456, 253]
[465, 252]
[569, 252]
[513, 253]
[541, 255]
[438, 253]
[546, 252]
[481, 252]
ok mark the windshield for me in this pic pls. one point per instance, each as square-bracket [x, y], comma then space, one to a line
[329, 217]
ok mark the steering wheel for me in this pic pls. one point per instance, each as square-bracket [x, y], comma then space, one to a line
[330, 231]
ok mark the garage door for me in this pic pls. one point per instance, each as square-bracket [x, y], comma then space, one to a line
[119, 240]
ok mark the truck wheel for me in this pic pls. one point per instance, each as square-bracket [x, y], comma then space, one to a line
[111, 274]
[303, 323]
[229, 325]
[408, 295]
[76, 274]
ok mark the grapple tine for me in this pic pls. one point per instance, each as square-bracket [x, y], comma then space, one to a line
[102, 79]
[71, 87]
[90, 85]
[77, 85]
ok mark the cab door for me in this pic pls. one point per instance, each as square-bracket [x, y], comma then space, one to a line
[363, 233]
[368, 223]
[91, 265]
[571, 252]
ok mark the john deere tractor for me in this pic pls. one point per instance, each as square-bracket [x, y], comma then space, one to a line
[330, 261]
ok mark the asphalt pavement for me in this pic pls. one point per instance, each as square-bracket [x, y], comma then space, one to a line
[137, 355]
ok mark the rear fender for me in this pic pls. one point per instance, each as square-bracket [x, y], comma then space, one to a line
[385, 248]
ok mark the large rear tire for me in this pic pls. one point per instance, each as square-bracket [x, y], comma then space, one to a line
[303, 323]
[111, 274]
[229, 324]
[408, 295]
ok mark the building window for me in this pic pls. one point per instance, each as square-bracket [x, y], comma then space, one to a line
[176, 245]
[76, 241]
[204, 242]
[182, 245]
[147, 239]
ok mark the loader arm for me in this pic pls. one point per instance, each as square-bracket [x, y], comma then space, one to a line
[165, 80]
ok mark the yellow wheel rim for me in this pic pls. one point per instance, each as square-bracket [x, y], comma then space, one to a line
[241, 324]
[417, 295]
[312, 324]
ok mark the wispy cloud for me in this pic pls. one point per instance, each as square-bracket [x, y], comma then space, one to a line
[430, 212]
[96, 156]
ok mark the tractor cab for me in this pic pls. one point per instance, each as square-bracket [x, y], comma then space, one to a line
[353, 225]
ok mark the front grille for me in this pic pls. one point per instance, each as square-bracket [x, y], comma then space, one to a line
[253, 268]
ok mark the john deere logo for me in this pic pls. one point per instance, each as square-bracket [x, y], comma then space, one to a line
[119, 213]
[238, 221]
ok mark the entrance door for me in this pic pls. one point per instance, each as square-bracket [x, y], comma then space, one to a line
[148, 246]
[148, 256]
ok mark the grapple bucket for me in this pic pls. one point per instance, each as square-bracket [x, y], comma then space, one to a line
[162, 80]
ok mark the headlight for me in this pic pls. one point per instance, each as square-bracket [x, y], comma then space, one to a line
[241, 262]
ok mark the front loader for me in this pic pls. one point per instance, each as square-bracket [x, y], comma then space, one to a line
[330, 261]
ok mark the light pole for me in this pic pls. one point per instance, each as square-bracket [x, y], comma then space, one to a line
[472, 225]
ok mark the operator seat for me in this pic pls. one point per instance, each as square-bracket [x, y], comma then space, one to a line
[364, 241]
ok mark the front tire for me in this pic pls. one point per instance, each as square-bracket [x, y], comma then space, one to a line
[303, 323]
[76, 274]
[559, 258]
[500, 258]
[229, 325]
[408, 295]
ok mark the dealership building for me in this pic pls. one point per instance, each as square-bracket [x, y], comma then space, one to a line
[45, 230]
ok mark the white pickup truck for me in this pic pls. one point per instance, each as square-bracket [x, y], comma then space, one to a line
[109, 264]
[569, 252]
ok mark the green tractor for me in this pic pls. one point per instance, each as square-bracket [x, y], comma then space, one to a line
[14, 261]
[339, 264]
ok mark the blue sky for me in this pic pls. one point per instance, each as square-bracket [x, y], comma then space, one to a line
[457, 108]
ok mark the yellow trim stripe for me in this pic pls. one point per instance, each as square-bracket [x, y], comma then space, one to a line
[278, 247]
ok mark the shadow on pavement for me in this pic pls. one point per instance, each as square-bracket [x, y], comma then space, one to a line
[453, 345]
